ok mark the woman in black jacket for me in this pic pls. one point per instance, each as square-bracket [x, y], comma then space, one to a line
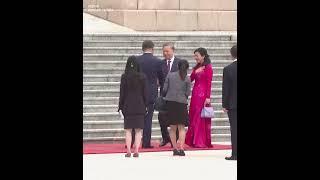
[132, 103]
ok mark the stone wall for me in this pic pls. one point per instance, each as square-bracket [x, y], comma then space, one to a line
[167, 15]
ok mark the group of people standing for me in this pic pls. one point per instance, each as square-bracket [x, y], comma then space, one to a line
[139, 90]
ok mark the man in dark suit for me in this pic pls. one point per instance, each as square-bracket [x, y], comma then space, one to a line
[151, 66]
[229, 99]
[169, 64]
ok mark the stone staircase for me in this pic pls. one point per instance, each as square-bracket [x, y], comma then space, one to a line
[104, 58]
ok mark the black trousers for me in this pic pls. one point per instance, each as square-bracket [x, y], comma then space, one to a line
[146, 138]
[232, 113]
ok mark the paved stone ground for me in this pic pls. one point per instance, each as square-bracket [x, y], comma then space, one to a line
[196, 165]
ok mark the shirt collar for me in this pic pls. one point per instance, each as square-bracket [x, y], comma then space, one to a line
[172, 59]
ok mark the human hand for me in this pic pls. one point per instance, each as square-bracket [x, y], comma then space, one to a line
[207, 101]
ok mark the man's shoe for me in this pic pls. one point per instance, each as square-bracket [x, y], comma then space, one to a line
[231, 158]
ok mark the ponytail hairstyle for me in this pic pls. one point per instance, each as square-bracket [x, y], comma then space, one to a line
[132, 72]
[183, 67]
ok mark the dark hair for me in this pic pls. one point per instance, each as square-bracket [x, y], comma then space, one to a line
[233, 51]
[147, 44]
[202, 52]
[183, 66]
[132, 72]
[170, 44]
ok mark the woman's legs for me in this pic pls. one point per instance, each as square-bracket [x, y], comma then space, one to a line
[128, 139]
[137, 140]
[182, 136]
[173, 129]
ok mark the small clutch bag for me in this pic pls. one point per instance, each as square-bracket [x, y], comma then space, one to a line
[207, 112]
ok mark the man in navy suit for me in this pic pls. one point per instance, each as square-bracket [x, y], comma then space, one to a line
[151, 66]
[169, 64]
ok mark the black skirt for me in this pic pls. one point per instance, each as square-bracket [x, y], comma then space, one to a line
[133, 121]
[177, 113]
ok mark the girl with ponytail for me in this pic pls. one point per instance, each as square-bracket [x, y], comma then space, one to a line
[177, 88]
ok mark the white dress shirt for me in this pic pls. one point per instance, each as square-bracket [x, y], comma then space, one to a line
[172, 59]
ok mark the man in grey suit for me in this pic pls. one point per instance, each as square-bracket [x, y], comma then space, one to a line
[229, 99]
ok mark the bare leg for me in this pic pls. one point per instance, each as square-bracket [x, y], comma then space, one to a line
[182, 136]
[128, 139]
[138, 140]
[173, 129]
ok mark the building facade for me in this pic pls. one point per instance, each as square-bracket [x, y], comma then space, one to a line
[167, 15]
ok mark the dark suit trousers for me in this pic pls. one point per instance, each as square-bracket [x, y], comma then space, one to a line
[147, 126]
[232, 113]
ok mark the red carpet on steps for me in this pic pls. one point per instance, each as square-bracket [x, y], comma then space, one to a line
[120, 148]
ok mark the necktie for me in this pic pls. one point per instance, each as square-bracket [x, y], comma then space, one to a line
[168, 65]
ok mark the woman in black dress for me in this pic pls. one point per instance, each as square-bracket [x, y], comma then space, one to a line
[132, 103]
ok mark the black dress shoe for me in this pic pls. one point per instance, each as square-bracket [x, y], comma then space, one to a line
[163, 143]
[231, 158]
[176, 152]
[181, 153]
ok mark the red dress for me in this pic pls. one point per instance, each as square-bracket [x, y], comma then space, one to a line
[199, 130]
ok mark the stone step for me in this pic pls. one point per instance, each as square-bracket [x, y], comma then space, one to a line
[116, 85]
[107, 116]
[114, 108]
[155, 37]
[116, 77]
[137, 50]
[155, 131]
[99, 68]
[192, 63]
[116, 92]
[124, 57]
[157, 43]
[215, 138]
[115, 100]
[111, 116]
[155, 123]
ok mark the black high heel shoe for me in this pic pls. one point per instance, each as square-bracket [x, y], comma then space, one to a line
[127, 155]
[176, 152]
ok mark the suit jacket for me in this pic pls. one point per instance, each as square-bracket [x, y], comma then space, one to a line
[176, 89]
[151, 67]
[174, 68]
[229, 86]
[133, 100]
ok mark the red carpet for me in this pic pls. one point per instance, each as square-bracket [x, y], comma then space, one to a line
[120, 148]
